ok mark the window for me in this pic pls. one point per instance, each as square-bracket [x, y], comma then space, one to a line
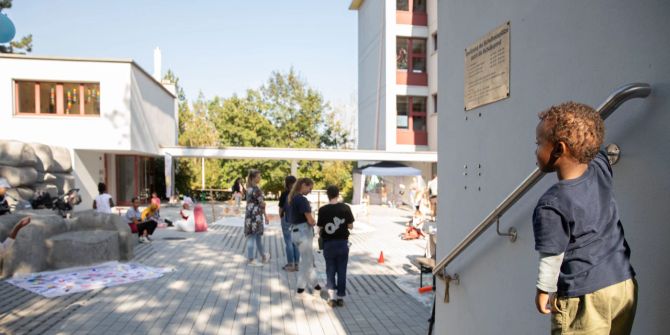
[416, 61]
[38, 97]
[47, 101]
[411, 113]
[435, 103]
[419, 6]
[401, 47]
[411, 12]
[402, 106]
[26, 97]
[434, 41]
[91, 99]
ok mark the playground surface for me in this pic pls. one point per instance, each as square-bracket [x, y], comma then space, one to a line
[213, 291]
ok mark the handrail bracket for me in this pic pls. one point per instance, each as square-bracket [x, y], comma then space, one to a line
[511, 232]
[447, 280]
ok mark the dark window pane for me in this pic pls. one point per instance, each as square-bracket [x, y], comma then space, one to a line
[419, 6]
[418, 104]
[92, 99]
[434, 103]
[402, 44]
[48, 98]
[26, 94]
[419, 47]
[418, 65]
[402, 5]
[402, 108]
[71, 99]
[419, 123]
[435, 42]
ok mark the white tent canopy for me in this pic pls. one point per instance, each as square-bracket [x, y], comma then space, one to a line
[389, 169]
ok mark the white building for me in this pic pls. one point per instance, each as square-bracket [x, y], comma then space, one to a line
[397, 76]
[112, 114]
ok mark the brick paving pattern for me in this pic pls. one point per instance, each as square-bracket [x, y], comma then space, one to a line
[213, 291]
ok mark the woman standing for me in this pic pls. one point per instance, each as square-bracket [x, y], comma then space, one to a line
[302, 232]
[253, 217]
[292, 253]
[238, 191]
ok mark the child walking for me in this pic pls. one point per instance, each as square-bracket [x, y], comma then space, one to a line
[585, 275]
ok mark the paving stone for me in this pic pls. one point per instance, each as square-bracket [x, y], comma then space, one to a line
[213, 291]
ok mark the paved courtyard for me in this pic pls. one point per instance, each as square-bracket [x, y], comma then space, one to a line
[213, 291]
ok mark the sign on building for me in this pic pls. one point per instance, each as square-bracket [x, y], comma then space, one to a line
[487, 68]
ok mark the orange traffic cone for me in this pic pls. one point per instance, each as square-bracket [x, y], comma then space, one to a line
[381, 258]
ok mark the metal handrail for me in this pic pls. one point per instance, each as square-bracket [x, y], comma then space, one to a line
[620, 95]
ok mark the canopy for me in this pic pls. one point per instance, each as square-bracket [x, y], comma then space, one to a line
[388, 169]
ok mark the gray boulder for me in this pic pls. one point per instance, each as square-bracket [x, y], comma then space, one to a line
[15, 153]
[62, 161]
[79, 248]
[51, 242]
[20, 193]
[18, 176]
[45, 159]
[63, 181]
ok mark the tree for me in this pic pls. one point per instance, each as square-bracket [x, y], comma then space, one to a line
[284, 112]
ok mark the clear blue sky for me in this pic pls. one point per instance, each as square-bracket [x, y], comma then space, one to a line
[219, 47]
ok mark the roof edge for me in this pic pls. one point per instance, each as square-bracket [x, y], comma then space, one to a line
[99, 60]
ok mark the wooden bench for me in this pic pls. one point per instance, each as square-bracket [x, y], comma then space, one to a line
[426, 266]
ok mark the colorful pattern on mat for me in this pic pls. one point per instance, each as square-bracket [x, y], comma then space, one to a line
[67, 281]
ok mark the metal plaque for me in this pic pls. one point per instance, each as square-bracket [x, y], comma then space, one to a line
[487, 68]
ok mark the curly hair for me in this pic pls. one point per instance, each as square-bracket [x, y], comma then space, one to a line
[578, 125]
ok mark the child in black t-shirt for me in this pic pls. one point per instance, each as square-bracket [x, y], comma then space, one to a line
[335, 221]
[584, 256]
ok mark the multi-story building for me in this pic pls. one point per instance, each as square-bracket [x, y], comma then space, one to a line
[112, 115]
[397, 76]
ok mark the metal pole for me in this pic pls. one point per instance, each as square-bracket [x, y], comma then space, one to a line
[202, 174]
[294, 167]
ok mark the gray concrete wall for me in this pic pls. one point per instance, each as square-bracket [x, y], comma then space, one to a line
[560, 50]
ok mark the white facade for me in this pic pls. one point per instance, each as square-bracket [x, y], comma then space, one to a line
[377, 84]
[560, 50]
[137, 114]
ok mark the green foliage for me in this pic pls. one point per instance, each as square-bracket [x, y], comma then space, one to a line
[5, 4]
[24, 44]
[285, 112]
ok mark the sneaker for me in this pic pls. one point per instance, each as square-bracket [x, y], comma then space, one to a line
[266, 258]
[149, 238]
[340, 302]
[250, 261]
[301, 290]
[143, 240]
[288, 267]
[317, 287]
[332, 303]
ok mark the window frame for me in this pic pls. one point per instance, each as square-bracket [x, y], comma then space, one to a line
[411, 54]
[411, 113]
[60, 98]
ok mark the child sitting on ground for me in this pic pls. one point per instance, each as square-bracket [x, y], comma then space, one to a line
[413, 231]
[584, 257]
